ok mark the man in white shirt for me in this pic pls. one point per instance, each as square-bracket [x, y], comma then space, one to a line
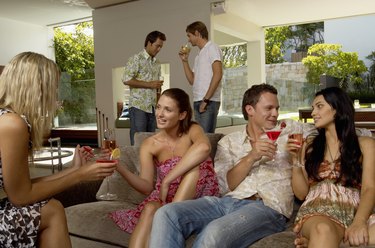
[205, 76]
[258, 198]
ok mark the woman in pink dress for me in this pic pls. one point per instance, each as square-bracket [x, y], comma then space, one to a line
[337, 181]
[179, 153]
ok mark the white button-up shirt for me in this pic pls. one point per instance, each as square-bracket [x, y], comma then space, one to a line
[270, 179]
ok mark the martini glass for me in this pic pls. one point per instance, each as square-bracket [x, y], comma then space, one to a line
[274, 133]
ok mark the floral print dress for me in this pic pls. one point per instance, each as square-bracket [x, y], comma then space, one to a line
[18, 225]
[327, 198]
[207, 185]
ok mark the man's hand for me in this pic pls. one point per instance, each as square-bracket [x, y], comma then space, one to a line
[262, 147]
[203, 107]
[156, 84]
[183, 55]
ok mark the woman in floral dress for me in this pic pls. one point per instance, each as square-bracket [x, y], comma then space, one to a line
[337, 181]
[179, 153]
[28, 218]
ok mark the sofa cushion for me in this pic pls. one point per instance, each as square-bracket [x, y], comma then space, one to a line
[91, 221]
[80, 242]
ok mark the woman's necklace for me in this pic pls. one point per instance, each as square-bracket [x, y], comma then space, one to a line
[173, 148]
[333, 159]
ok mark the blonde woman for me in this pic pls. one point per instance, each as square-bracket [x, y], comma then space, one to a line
[28, 215]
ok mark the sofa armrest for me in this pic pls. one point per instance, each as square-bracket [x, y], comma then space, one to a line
[81, 193]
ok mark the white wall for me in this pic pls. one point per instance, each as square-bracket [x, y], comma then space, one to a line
[120, 31]
[356, 34]
[17, 37]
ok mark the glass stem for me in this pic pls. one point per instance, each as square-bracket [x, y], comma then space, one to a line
[108, 190]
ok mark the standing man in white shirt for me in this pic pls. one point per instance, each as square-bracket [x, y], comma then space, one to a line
[205, 76]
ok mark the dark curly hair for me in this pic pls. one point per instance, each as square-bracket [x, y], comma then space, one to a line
[153, 36]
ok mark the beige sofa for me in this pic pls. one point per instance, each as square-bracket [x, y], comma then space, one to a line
[88, 222]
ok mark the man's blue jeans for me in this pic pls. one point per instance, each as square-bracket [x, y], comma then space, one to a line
[141, 121]
[207, 119]
[218, 222]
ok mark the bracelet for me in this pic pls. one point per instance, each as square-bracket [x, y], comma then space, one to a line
[298, 165]
[206, 100]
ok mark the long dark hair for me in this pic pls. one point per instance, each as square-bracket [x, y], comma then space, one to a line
[351, 155]
[183, 103]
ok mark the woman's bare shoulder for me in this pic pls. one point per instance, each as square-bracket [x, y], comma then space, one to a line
[195, 129]
[12, 122]
[13, 129]
[152, 142]
[366, 141]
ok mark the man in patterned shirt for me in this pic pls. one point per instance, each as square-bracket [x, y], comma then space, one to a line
[258, 196]
[142, 74]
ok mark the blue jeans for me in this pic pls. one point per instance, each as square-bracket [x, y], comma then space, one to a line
[141, 121]
[207, 119]
[218, 222]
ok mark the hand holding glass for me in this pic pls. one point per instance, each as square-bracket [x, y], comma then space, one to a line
[185, 49]
[274, 133]
[297, 134]
[158, 90]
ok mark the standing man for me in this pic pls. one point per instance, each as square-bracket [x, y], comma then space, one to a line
[142, 74]
[258, 194]
[205, 76]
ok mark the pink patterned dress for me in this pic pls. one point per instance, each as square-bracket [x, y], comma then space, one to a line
[327, 198]
[207, 185]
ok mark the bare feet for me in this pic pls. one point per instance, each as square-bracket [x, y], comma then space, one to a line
[301, 242]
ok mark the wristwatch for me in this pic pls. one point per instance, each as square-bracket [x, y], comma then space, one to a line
[206, 100]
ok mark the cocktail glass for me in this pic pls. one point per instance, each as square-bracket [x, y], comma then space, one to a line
[109, 142]
[274, 133]
[158, 90]
[186, 48]
[297, 134]
[108, 196]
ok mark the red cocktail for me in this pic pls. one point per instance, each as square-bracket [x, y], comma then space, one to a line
[273, 135]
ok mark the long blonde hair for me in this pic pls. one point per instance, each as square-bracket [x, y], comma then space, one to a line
[28, 86]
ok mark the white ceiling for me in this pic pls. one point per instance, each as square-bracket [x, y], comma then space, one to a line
[51, 12]
[283, 12]
[44, 12]
[261, 12]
